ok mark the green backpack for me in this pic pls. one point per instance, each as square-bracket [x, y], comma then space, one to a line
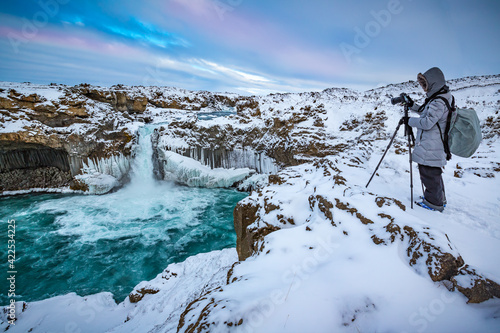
[462, 135]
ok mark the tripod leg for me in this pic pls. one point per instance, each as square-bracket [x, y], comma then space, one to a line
[385, 152]
[410, 135]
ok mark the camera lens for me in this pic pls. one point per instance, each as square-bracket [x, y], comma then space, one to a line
[396, 100]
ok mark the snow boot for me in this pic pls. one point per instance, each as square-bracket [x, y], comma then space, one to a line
[427, 205]
[444, 202]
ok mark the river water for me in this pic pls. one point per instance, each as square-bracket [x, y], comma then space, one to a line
[88, 244]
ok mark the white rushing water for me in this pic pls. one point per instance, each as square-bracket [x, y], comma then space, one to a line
[142, 165]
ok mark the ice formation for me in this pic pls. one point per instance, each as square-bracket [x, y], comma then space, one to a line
[227, 159]
[103, 174]
[192, 173]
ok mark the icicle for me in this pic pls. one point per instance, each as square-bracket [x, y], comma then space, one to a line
[116, 166]
[193, 173]
[103, 174]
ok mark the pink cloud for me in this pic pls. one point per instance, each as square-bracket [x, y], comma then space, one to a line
[232, 25]
[70, 38]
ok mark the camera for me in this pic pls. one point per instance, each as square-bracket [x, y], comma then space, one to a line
[402, 99]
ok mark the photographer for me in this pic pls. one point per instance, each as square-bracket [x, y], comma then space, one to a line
[429, 152]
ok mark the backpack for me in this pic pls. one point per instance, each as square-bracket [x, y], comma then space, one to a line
[463, 135]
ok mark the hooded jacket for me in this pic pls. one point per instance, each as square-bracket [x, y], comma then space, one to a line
[429, 149]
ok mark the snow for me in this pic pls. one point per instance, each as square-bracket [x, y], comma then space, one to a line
[39, 190]
[175, 144]
[11, 126]
[178, 285]
[311, 276]
[254, 182]
[133, 127]
[26, 89]
[321, 274]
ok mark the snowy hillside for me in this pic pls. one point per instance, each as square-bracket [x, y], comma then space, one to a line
[317, 251]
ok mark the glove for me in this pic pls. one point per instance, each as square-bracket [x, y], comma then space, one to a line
[403, 120]
[408, 101]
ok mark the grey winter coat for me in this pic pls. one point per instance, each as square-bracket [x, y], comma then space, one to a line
[429, 149]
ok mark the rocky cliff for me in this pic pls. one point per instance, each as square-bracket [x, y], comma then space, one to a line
[50, 134]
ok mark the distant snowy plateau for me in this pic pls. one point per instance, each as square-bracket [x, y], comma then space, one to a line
[316, 250]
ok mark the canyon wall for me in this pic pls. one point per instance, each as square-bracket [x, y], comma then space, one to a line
[51, 134]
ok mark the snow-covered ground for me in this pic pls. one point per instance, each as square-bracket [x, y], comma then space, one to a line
[315, 277]
[164, 300]
[343, 256]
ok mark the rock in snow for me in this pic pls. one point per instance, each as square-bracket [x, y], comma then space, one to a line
[316, 250]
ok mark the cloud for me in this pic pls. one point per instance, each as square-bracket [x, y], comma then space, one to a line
[206, 69]
[200, 8]
[249, 46]
[248, 38]
[145, 33]
[239, 75]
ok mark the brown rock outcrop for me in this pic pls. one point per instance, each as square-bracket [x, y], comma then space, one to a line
[102, 112]
[45, 154]
[138, 295]
[246, 240]
[478, 289]
[116, 97]
[424, 250]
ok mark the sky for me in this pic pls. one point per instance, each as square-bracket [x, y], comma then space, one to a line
[246, 46]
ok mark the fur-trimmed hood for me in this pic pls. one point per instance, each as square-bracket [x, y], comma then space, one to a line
[435, 81]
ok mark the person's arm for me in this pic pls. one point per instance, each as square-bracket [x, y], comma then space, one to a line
[415, 107]
[436, 111]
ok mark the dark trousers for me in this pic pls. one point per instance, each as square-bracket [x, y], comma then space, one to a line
[432, 179]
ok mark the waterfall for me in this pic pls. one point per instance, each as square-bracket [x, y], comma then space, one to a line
[129, 234]
[142, 164]
[102, 175]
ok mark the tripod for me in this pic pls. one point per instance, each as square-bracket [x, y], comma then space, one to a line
[411, 141]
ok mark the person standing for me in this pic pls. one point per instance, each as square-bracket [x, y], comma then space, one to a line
[429, 151]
